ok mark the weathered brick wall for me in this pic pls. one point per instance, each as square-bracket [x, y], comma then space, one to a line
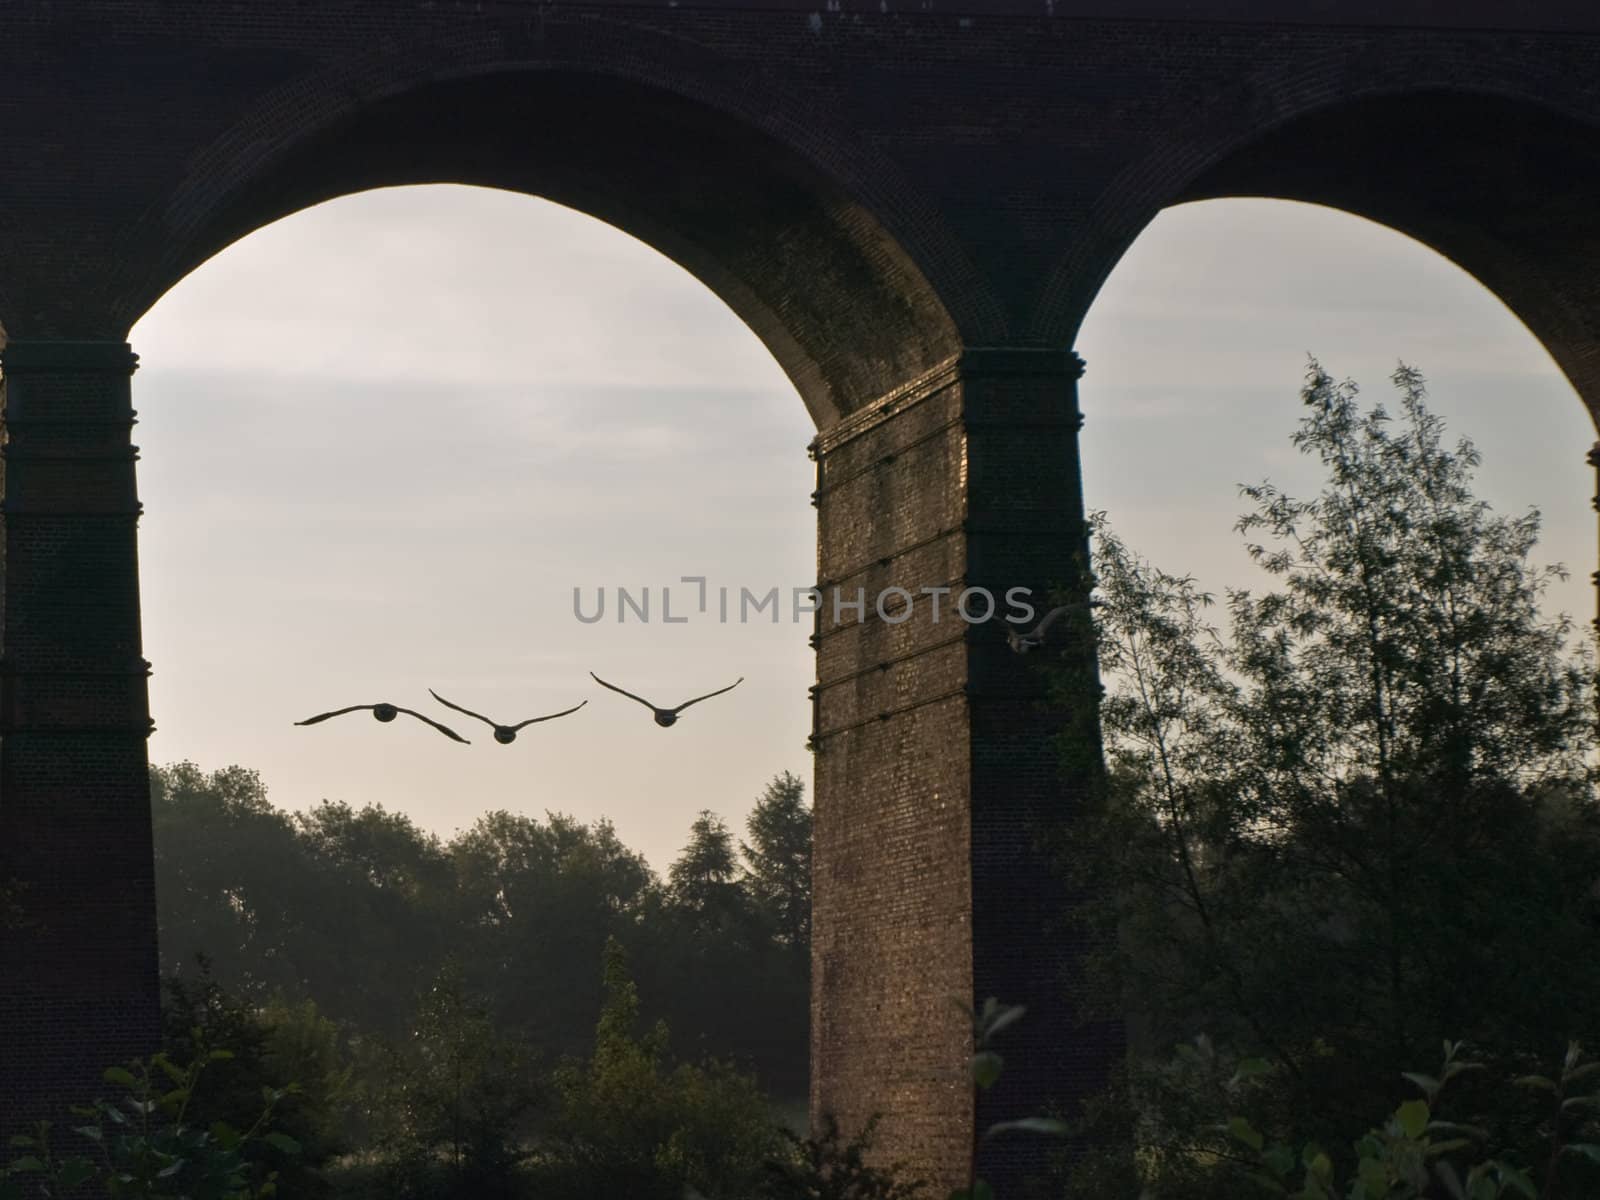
[939, 775]
[892, 887]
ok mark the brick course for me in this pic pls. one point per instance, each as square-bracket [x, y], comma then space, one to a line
[912, 204]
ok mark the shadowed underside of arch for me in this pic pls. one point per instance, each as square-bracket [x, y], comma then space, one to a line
[1501, 188]
[833, 297]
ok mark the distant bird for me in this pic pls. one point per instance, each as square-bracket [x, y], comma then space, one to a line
[666, 717]
[1021, 642]
[385, 712]
[504, 734]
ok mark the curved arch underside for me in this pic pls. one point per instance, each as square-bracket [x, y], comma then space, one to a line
[832, 296]
[1503, 189]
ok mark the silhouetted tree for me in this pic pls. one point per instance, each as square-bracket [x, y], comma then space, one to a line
[1362, 821]
[632, 1122]
[704, 878]
[778, 855]
[453, 1095]
[231, 877]
[538, 900]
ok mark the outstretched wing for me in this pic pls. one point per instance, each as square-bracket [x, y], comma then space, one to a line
[459, 709]
[338, 712]
[1050, 618]
[708, 695]
[444, 729]
[551, 717]
[615, 688]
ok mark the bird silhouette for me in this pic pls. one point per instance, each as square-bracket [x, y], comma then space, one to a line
[385, 712]
[504, 734]
[1021, 642]
[666, 717]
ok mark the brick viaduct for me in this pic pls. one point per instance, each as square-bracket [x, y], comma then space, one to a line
[912, 203]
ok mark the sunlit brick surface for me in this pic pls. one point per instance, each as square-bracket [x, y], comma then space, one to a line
[937, 767]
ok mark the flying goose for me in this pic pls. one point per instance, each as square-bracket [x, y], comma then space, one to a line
[504, 734]
[666, 717]
[385, 712]
[1021, 642]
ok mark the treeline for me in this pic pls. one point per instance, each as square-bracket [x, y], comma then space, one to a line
[371, 920]
[359, 909]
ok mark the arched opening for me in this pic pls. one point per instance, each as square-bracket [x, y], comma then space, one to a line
[1236, 293]
[497, 417]
[837, 301]
[1448, 231]
[395, 434]
[840, 304]
[1496, 184]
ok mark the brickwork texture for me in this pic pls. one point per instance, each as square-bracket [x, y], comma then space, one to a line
[912, 203]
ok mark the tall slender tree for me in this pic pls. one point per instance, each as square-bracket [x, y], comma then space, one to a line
[778, 858]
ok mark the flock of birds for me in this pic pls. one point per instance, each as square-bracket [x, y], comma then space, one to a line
[1019, 641]
[506, 734]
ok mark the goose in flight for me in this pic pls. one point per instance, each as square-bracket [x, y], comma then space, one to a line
[1021, 642]
[385, 712]
[504, 734]
[666, 717]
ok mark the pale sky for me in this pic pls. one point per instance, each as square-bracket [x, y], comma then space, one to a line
[384, 439]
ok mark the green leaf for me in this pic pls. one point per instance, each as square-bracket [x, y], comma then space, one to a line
[285, 1143]
[1374, 1176]
[1278, 1159]
[1412, 1117]
[219, 1055]
[1588, 1068]
[120, 1075]
[1245, 1132]
[1268, 1182]
[1005, 1017]
[1249, 1068]
[986, 1066]
[1429, 1085]
[28, 1162]
[1536, 1081]
[1045, 1125]
[23, 1141]
[74, 1172]
[1517, 1179]
[1588, 1149]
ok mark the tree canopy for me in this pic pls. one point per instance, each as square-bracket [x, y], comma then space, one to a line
[1360, 819]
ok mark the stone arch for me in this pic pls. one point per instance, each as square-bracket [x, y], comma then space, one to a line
[1488, 162]
[844, 271]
